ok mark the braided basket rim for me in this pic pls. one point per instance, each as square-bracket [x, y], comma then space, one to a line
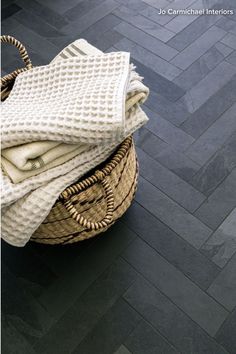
[110, 164]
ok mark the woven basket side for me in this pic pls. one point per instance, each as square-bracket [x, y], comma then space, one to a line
[59, 227]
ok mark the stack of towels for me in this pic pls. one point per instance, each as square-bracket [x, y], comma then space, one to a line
[60, 121]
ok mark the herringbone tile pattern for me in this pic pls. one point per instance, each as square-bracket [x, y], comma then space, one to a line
[163, 279]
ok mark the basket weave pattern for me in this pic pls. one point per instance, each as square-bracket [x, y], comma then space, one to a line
[60, 227]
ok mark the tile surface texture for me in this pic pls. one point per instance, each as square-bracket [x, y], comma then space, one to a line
[162, 280]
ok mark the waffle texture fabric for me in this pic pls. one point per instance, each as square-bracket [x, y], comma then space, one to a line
[26, 204]
[77, 99]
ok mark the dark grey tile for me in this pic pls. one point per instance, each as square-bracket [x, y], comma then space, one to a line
[169, 183]
[210, 111]
[198, 47]
[200, 68]
[148, 142]
[157, 64]
[6, 3]
[33, 40]
[175, 112]
[232, 58]
[111, 49]
[182, 291]
[145, 340]
[61, 6]
[227, 24]
[11, 340]
[178, 5]
[143, 23]
[230, 40]
[58, 258]
[108, 38]
[209, 85]
[22, 310]
[152, 13]
[88, 309]
[75, 28]
[136, 5]
[226, 335]
[8, 26]
[11, 58]
[215, 170]
[191, 33]
[44, 12]
[168, 132]
[232, 17]
[158, 83]
[77, 276]
[229, 4]
[43, 30]
[178, 163]
[96, 31]
[223, 49]
[213, 138]
[221, 202]
[178, 23]
[25, 264]
[171, 246]
[9, 11]
[111, 331]
[146, 41]
[157, 3]
[3, 73]
[37, 24]
[81, 9]
[177, 218]
[170, 321]
[223, 289]
[221, 246]
[10, 66]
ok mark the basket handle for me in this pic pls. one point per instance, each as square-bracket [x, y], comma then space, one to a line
[24, 55]
[109, 196]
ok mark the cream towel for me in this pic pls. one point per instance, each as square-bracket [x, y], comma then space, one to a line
[58, 155]
[77, 100]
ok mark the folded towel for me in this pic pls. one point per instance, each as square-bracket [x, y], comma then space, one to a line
[27, 160]
[28, 166]
[26, 204]
[80, 99]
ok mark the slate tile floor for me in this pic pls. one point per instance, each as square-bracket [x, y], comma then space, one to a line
[163, 279]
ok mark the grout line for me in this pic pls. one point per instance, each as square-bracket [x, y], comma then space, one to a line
[204, 289]
[173, 303]
[172, 230]
[170, 226]
[189, 279]
[148, 323]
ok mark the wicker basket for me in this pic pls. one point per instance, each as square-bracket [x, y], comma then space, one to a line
[95, 202]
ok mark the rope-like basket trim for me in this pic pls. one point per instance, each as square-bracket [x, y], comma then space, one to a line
[24, 55]
[88, 223]
[98, 175]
